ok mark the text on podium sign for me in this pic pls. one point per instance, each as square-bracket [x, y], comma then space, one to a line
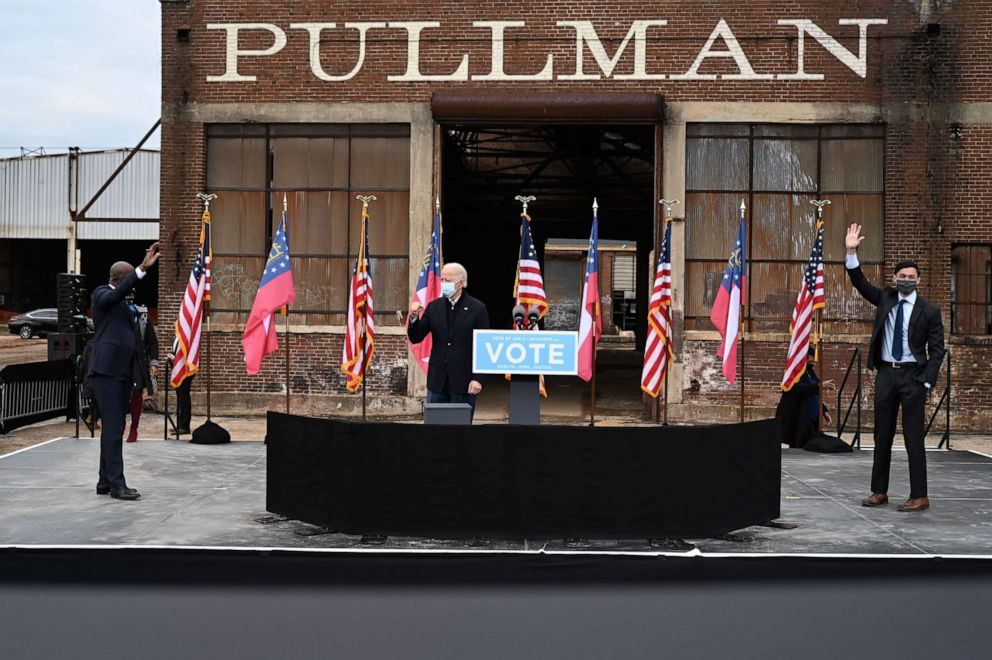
[525, 352]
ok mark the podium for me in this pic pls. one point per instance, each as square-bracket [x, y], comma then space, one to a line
[525, 355]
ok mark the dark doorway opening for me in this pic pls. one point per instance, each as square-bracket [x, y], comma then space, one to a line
[565, 166]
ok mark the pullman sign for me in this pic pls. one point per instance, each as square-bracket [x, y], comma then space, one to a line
[583, 32]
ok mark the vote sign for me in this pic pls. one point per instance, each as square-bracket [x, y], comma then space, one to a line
[525, 352]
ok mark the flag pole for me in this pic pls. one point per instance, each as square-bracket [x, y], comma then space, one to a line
[818, 335]
[668, 203]
[741, 325]
[365, 199]
[206, 304]
[285, 308]
[592, 381]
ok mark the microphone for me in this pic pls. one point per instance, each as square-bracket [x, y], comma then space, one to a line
[518, 316]
[533, 317]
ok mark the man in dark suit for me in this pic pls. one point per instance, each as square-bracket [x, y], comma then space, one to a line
[907, 348]
[111, 368]
[450, 321]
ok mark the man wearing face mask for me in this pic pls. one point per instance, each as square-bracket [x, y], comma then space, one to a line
[111, 368]
[907, 348]
[450, 321]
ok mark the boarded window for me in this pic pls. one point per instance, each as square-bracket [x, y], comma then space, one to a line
[776, 169]
[315, 170]
[971, 289]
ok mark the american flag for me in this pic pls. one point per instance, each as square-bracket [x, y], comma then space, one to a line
[529, 286]
[658, 348]
[189, 322]
[528, 289]
[811, 297]
[359, 334]
[428, 289]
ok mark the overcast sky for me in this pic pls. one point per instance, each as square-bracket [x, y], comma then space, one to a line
[80, 74]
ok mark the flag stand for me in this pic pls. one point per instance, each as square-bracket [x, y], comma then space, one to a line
[743, 320]
[666, 221]
[207, 361]
[592, 381]
[365, 199]
[818, 325]
[285, 311]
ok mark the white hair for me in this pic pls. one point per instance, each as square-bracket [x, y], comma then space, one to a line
[460, 271]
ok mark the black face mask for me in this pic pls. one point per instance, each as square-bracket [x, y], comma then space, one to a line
[906, 287]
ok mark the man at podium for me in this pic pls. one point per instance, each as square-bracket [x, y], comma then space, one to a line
[450, 321]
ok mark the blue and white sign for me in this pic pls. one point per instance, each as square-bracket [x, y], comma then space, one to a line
[551, 353]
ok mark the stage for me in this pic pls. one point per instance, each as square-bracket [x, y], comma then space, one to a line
[198, 568]
[196, 496]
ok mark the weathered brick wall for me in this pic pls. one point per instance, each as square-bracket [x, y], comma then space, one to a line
[937, 190]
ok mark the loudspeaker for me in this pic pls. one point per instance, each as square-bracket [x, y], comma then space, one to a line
[66, 345]
[72, 300]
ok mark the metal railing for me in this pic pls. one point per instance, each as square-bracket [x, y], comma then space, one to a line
[945, 404]
[854, 402]
[35, 392]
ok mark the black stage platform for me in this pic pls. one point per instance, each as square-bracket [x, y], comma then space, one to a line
[197, 568]
[214, 496]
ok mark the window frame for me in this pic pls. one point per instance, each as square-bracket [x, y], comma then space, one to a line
[820, 133]
[270, 132]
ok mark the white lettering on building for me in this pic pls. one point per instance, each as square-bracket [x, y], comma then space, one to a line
[586, 40]
[233, 52]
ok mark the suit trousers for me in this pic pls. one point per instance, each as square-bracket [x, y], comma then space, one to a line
[113, 395]
[895, 387]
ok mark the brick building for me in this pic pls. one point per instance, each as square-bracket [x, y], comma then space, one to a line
[884, 108]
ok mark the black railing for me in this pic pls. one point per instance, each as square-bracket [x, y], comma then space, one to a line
[945, 404]
[35, 392]
[854, 402]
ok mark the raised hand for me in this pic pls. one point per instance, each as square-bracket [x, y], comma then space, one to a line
[151, 256]
[853, 238]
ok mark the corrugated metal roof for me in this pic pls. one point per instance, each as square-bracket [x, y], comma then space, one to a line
[34, 198]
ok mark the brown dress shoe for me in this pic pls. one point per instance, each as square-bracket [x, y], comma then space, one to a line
[876, 499]
[915, 504]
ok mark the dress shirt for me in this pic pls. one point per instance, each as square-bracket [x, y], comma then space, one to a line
[890, 322]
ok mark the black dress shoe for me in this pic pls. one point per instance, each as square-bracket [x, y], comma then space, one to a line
[102, 489]
[124, 493]
[183, 431]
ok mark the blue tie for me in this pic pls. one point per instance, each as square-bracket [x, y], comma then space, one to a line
[897, 334]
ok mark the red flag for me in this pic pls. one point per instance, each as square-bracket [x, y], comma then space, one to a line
[811, 297]
[590, 319]
[658, 347]
[189, 322]
[428, 289]
[275, 290]
[726, 312]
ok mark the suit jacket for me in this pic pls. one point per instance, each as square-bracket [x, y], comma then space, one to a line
[926, 330]
[115, 340]
[451, 353]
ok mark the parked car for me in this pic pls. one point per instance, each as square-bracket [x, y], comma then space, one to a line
[38, 322]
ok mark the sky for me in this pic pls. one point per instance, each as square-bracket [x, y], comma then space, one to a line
[83, 74]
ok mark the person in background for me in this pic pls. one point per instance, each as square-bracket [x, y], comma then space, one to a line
[184, 403]
[799, 408]
[145, 364]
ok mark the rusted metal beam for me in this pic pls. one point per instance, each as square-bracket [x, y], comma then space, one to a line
[79, 216]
